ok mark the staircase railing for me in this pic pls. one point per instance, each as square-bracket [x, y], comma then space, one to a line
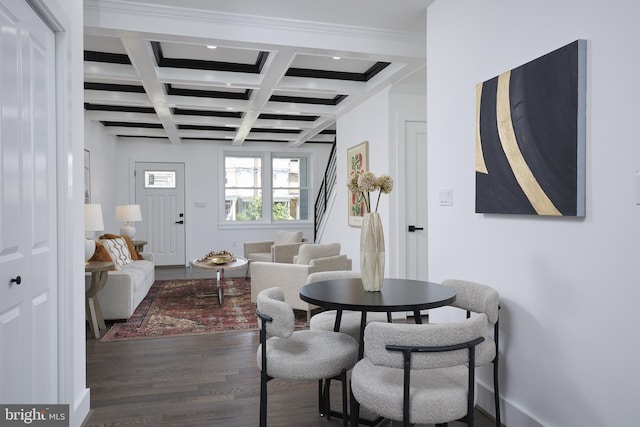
[328, 182]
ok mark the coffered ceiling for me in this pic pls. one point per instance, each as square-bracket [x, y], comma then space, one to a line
[277, 71]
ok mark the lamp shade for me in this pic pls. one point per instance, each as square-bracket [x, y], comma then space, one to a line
[128, 213]
[93, 217]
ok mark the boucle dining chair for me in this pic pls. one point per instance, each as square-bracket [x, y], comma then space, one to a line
[478, 298]
[350, 321]
[418, 373]
[299, 355]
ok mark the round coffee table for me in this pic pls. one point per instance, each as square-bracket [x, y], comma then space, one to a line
[220, 268]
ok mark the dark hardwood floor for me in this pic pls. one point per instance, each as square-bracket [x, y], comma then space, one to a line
[206, 380]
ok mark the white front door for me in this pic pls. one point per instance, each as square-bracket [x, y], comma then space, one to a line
[160, 194]
[28, 222]
[416, 199]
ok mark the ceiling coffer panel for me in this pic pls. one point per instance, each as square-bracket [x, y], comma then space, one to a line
[182, 88]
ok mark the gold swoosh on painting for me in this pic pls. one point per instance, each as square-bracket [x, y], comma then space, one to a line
[536, 195]
[481, 166]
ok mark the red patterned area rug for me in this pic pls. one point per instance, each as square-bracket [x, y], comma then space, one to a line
[189, 307]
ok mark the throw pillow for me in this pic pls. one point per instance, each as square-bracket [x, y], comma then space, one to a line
[135, 255]
[312, 251]
[101, 254]
[286, 237]
[118, 250]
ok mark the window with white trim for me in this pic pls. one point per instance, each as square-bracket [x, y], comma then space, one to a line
[247, 187]
[290, 192]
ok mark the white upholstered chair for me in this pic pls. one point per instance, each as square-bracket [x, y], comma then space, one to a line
[350, 321]
[418, 373]
[282, 249]
[478, 298]
[299, 355]
[311, 258]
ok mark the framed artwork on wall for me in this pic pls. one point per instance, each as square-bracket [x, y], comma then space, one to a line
[357, 162]
[530, 137]
[87, 176]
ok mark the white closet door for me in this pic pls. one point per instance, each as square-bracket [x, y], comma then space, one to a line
[28, 243]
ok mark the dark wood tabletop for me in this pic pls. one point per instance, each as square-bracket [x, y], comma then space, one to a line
[395, 295]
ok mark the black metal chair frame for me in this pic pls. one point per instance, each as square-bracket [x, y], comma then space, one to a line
[407, 351]
[324, 399]
[496, 382]
[327, 382]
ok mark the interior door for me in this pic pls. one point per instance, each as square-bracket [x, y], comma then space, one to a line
[160, 194]
[416, 200]
[28, 220]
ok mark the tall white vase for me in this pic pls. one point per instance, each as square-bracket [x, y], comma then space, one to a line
[372, 252]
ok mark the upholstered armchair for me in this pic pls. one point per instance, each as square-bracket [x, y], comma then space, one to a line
[311, 258]
[282, 249]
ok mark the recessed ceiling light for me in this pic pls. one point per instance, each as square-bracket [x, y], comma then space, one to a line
[210, 46]
[336, 57]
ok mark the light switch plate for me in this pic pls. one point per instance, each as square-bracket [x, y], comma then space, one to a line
[446, 197]
[637, 188]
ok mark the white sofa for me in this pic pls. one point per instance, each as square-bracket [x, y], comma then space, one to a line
[125, 288]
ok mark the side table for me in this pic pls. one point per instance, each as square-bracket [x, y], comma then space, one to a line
[99, 271]
[138, 245]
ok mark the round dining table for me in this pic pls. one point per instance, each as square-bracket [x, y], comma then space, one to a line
[396, 295]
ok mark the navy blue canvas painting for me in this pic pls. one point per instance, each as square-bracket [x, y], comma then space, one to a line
[530, 137]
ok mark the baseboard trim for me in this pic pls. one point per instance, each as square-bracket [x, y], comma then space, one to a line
[511, 415]
[80, 415]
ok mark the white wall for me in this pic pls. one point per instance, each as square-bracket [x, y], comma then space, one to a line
[102, 151]
[113, 162]
[569, 287]
[379, 120]
[367, 122]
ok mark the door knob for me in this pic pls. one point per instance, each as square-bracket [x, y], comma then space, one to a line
[180, 222]
[17, 280]
[413, 228]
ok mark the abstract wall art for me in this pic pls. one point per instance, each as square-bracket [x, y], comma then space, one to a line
[357, 162]
[530, 137]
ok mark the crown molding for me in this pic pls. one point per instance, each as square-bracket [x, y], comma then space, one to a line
[122, 11]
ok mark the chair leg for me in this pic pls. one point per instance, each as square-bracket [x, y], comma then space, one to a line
[263, 399]
[327, 398]
[496, 392]
[345, 415]
[321, 408]
[355, 409]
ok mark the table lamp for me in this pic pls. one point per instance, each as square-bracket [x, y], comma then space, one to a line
[128, 214]
[92, 222]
